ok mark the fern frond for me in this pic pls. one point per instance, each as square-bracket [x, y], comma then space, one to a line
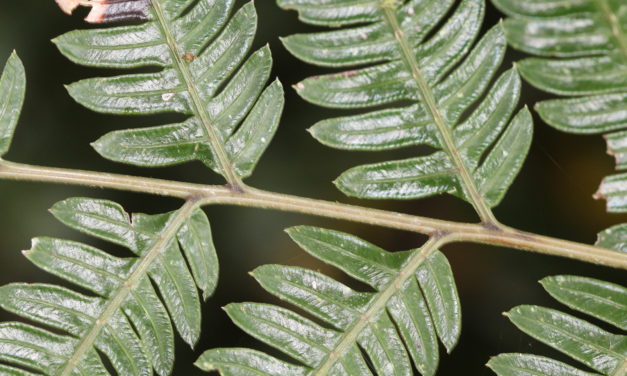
[444, 76]
[204, 73]
[125, 318]
[414, 302]
[583, 45]
[590, 345]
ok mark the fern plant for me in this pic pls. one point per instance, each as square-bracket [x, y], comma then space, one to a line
[591, 345]
[584, 49]
[419, 72]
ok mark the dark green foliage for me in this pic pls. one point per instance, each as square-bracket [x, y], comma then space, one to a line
[592, 346]
[413, 304]
[445, 75]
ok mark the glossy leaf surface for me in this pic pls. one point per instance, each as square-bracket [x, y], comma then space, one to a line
[590, 345]
[203, 72]
[123, 316]
[527, 365]
[603, 300]
[441, 70]
[582, 49]
[12, 87]
[394, 328]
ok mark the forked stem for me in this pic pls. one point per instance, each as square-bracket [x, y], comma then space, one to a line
[221, 195]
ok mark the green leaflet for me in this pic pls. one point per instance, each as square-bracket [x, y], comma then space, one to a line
[12, 88]
[614, 238]
[583, 44]
[334, 12]
[584, 342]
[204, 73]
[603, 300]
[197, 243]
[445, 75]
[124, 317]
[398, 325]
[525, 364]
[592, 346]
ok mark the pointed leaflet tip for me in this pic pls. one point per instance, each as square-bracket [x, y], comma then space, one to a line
[278, 83]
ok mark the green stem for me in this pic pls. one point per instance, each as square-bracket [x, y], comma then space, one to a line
[140, 271]
[408, 56]
[222, 159]
[213, 195]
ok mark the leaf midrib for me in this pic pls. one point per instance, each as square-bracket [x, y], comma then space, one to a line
[573, 337]
[349, 337]
[593, 297]
[116, 301]
[615, 27]
[425, 91]
[216, 142]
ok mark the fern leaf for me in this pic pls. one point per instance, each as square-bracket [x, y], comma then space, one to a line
[125, 318]
[414, 303]
[204, 73]
[603, 300]
[445, 75]
[12, 88]
[592, 346]
[526, 364]
[583, 49]
[584, 44]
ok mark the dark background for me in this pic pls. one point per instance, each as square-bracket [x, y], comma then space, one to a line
[551, 196]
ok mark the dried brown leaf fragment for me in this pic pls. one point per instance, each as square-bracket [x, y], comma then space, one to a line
[103, 11]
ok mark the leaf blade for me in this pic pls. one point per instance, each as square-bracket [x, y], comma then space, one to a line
[578, 339]
[603, 300]
[12, 91]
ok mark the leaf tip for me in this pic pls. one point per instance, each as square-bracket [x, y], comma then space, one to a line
[546, 281]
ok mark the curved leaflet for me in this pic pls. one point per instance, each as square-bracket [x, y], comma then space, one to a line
[590, 345]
